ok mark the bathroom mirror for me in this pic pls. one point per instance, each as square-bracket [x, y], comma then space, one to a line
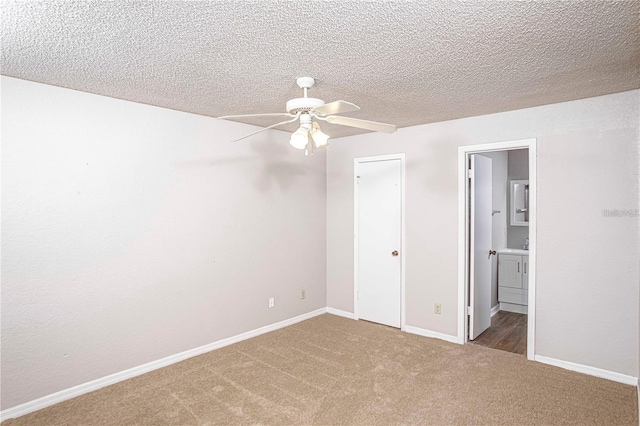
[519, 207]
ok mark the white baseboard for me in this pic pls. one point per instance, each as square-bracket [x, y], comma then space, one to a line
[63, 395]
[592, 371]
[512, 307]
[495, 309]
[428, 333]
[407, 328]
[341, 313]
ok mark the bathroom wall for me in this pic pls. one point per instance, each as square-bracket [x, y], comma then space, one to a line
[498, 220]
[518, 169]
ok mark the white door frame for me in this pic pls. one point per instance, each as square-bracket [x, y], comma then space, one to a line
[463, 234]
[356, 161]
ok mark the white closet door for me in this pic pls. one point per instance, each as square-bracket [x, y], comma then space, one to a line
[379, 198]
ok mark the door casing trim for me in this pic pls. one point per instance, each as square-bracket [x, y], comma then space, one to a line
[463, 234]
[356, 161]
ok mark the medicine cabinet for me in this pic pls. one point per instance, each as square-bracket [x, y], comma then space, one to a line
[519, 208]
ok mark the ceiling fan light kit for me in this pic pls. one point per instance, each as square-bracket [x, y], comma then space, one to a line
[300, 138]
[309, 135]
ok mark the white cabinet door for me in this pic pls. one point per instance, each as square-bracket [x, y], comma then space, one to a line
[510, 271]
[525, 272]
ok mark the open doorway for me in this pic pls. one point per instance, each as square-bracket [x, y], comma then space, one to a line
[496, 266]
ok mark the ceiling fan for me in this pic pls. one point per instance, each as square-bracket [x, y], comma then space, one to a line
[306, 110]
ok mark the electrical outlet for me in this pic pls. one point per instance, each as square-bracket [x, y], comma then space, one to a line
[437, 308]
[272, 302]
[303, 294]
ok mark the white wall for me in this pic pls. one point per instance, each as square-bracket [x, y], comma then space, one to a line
[587, 286]
[499, 183]
[131, 233]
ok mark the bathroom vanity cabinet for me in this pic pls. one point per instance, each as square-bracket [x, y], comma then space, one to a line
[513, 280]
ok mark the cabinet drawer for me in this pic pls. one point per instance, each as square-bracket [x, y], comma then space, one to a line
[513, 295]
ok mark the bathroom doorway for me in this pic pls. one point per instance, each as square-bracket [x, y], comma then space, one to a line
[497, 229]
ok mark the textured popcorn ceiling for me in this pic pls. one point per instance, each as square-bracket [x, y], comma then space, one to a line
[405, 63]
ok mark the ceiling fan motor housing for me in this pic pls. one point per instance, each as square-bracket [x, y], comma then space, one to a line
[303, 104]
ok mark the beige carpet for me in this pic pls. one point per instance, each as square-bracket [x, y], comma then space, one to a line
[331, 370]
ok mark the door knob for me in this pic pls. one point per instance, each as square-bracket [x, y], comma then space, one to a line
[394, 253]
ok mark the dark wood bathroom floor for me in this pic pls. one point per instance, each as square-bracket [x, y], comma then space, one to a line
[508, 332]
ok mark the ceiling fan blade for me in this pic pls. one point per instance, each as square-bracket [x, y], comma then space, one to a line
[336, 107]
[361, 124]
[274, 114]
[267, 128]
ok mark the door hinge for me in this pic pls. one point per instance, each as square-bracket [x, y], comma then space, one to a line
[469, 173]
[358, 294]
[469, 310]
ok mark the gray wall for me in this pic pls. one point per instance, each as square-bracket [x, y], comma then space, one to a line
[587, 283]
[498, 220]
[518, 165]
[131, 233]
